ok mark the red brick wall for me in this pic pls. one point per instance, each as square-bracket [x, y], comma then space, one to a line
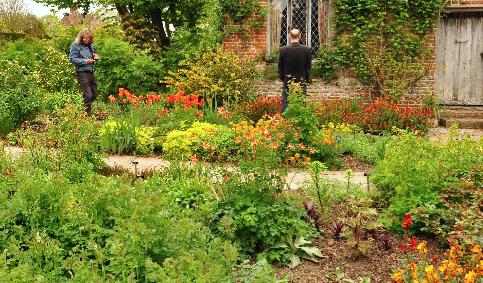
[346, 86]
[255, 46]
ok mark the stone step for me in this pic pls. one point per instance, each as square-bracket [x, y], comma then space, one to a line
[465, 114]
[463, 123]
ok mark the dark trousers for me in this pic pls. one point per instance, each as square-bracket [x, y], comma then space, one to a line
[285, 92]
[88, 84]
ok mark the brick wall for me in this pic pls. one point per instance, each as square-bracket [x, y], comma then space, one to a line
[255, 46]
[345, 86]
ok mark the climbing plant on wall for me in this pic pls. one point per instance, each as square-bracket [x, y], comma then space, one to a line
[239, 16]
[385, 42]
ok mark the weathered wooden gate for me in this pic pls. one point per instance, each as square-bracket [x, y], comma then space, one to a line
[459, 59]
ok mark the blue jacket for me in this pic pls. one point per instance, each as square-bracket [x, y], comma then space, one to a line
[78, 55]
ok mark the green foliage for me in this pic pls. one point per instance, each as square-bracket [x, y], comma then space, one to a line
[384, 43]
[101, 230]
[16, 23]
[299, 247]
[118, 136]
[321, 188]
[360, 220]
[459, 212]
[55, 101]
[257, 223]
[122, 65]
[202, 138]
[301, 114]
[415, 172]
[220, 76]
[241, 16]
[46, 66]
[340, 276]
[364, 147]
[19, 96]
[145, 139]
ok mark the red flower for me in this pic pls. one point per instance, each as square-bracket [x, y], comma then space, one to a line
[414, 242]
[170, 99]
[407, 222]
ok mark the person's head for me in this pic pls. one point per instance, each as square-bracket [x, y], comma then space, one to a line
[85, 36]
[294, 35]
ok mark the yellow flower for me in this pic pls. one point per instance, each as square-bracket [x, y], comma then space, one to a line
[431, 274]
[297, 155]
[397, 276]
[470, 277]
[422, 248]
[476, 249]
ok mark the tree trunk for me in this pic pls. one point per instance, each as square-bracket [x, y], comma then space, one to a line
[157, 19]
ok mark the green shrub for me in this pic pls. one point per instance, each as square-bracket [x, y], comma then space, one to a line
[258, 224]
[49, 68]
[220, 76]
[207, 140]
[118, 136]
[301, 114]
[19, 96]
[104, 229]
[123, 66]
[415, 172]
[364, 147]
[54, 101]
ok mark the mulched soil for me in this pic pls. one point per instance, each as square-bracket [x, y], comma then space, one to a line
[378, 264]
[350, 162]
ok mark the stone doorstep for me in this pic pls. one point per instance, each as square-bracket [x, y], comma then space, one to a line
[463, 123]
[466, 114]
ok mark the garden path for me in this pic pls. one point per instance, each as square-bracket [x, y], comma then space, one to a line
[295, 179]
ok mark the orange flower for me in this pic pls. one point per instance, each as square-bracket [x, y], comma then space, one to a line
[112, 99]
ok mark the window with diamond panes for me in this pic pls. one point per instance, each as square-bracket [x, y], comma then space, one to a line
[302, 15]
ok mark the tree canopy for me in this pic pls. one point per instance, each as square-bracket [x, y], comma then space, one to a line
[159, 15]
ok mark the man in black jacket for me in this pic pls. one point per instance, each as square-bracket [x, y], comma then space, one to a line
[294, 64]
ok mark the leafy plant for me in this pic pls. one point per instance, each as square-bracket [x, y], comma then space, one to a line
[340, 276]
[415, 175]
[299, 247]
[360, 221]
[301, 114]
[322, 189]
[20, 97]
[221, 77]
[122, 66]
[337, 227]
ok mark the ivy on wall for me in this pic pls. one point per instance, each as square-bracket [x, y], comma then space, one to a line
[384, 42]
[241, 16]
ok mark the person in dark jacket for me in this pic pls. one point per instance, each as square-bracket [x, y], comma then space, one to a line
[83, 55]
[294, 64]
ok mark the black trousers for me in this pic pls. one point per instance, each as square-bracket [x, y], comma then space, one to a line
[88, 84]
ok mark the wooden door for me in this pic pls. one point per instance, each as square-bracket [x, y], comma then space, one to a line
[459, 60]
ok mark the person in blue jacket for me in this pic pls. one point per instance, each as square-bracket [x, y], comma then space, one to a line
[83, 55]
